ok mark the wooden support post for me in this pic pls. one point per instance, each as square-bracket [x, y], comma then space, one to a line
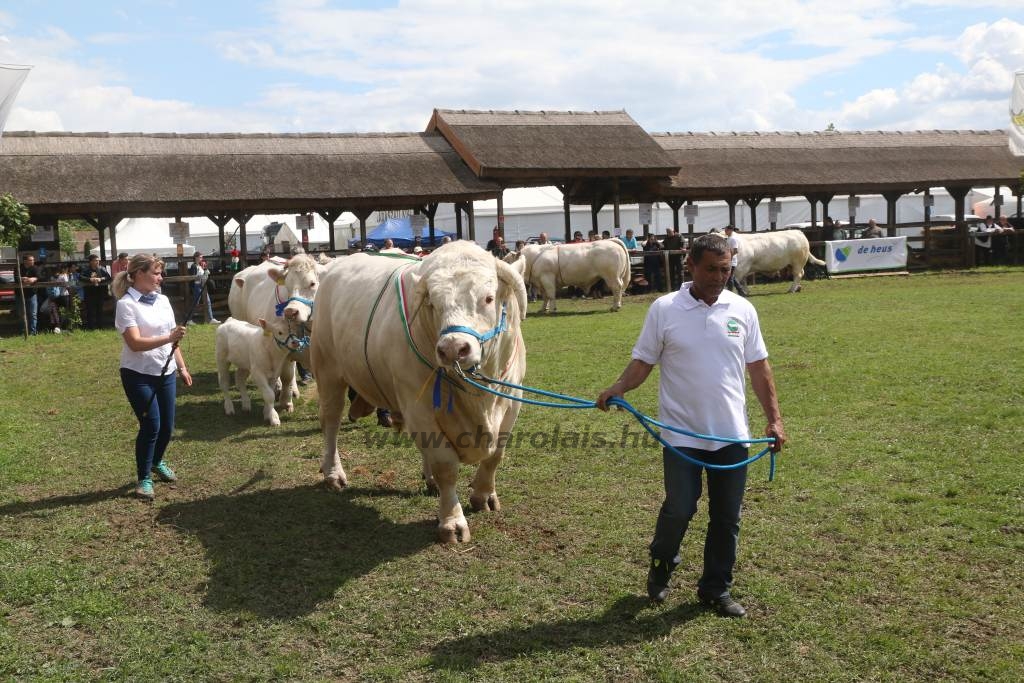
[501, 212]
[330, 215]
[752, 202]
[220, 220]
[458, 220]
[243, 249]
[616, 225]
[732, 210]
[362, 214]
[959, 194]
[431, 210]
[772, 222]
[472, 221]
[689, 226]
[814, 210]
[675, 205]
[890, 211]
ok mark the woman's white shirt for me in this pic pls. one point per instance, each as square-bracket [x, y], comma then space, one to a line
[154, 320]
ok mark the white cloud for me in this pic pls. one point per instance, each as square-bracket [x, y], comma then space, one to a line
[973, 94]
[671, 65]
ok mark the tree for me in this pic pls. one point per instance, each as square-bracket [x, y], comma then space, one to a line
[66, 237]
[14, 221]
[831, 128]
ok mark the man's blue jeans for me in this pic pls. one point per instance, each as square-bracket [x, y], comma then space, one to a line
[155, 415]
[725, 498]
[31, 310]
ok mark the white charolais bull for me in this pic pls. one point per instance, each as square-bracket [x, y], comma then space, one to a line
[550, 266]
[258, 351]
[770, 252]
[279, 289]
[459, 306]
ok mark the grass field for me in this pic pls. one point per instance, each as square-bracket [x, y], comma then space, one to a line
[888, 548]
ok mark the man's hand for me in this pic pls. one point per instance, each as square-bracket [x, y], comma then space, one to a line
[776, 430]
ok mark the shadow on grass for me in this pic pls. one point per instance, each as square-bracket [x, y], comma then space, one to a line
[279, 553]
[87, 498]
[570, 314]
[622, 623]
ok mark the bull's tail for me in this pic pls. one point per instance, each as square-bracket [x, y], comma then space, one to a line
[811, 258]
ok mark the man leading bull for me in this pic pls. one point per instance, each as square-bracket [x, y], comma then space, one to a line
[703, 336]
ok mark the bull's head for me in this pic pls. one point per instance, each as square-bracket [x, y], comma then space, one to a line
[297, 283]
[466, 294]
[281, 331]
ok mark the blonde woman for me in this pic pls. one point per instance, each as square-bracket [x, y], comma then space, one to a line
[149, 359]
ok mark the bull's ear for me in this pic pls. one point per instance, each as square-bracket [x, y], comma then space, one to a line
[275, 274]
[511, 284]
[240, 281]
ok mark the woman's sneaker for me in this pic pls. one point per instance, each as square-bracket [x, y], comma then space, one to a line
[144, 489]
[164, 472]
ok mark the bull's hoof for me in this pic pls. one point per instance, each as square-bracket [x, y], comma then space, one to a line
[455, 531]
[335, 483]
[484, 503]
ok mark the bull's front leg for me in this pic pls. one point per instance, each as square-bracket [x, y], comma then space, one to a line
[451, 523]
[284, 401]
[484, 496]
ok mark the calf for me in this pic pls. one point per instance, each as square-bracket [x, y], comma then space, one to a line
[259, 351]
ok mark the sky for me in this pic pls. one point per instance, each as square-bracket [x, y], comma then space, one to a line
[321, 66]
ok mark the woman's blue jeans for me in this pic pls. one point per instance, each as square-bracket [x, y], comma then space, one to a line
[725, 498]
[155, 415]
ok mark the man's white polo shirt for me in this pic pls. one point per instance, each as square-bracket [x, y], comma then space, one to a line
[703, 352]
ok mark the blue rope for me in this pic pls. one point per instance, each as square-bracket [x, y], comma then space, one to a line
[645, 420]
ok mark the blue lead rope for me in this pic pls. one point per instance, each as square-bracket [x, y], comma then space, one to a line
[645, 421]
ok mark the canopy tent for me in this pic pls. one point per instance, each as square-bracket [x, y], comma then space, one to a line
[399, 231]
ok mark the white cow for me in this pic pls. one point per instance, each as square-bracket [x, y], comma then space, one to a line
[416, 317]
[770, 252]
[258, 351]
[550, 266]
[275, 289]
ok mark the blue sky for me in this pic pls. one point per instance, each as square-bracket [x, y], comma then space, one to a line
[314, 65]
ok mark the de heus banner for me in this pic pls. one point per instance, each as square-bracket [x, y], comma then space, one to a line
[883, 253]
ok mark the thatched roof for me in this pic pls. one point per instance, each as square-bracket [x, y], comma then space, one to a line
[136, 174]
[549, 147]
[722, 165]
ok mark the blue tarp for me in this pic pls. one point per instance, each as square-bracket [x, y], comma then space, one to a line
[399, 231]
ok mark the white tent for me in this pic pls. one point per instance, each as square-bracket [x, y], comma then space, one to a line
[152, 235]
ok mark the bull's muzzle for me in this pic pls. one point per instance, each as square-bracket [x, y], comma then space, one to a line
[460, 348]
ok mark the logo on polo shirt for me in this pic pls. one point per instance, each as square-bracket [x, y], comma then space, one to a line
[732, 327]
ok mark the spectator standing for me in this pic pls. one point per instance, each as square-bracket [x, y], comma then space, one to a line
[734, 251]
[499, 250]
[145, 319]
[200, 273]
[95, 279]
[653, 266]
[630, 241]
[674, 242]
[872, 231]
[1001, 240]
[984, 241]
[120, 265]
[705, 339]
[28, 295]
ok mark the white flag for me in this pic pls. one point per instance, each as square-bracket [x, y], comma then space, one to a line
[1017, 115]
[11, 78]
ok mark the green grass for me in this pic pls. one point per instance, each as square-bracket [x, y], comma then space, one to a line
[888, 547]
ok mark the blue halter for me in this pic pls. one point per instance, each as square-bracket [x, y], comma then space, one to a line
[487, 336]
[279, 308]
[300, 343]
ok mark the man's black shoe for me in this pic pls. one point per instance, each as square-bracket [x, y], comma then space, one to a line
[723, 604]
[657, 579]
